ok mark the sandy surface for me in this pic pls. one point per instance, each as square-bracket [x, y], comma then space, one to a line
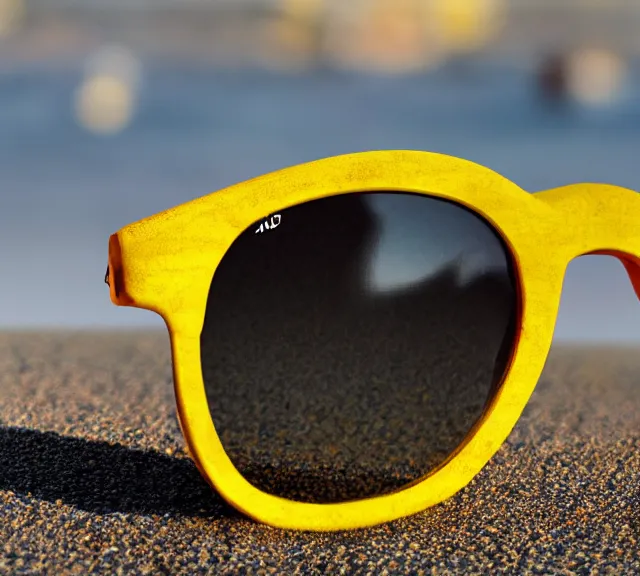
[94, 478]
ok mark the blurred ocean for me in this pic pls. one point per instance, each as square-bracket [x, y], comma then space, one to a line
[197, 129]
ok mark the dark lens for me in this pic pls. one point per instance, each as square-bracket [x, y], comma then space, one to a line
[351, 343]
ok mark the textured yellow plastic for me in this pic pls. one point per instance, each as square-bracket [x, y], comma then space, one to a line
[165, 263]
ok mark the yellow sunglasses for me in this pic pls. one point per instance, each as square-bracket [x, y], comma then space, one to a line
[354, 338]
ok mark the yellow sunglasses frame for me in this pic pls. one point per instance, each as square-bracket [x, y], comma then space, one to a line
[165, 263]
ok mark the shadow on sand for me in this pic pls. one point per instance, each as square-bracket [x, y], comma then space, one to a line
[103, 478]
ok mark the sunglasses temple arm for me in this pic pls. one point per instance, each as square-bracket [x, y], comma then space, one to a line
[632, 267]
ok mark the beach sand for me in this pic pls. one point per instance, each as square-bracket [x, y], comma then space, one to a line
[94, 477]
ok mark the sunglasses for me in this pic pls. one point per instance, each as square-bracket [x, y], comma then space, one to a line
[354, 338]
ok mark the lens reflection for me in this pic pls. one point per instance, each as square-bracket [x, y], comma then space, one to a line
[351, 343]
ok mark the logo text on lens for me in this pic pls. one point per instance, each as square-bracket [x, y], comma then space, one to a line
[269, 223]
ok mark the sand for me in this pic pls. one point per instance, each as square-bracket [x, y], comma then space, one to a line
[94, 477]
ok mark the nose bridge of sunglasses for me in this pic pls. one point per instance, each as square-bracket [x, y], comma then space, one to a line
[601, 218]
[633, 269]
[610, 218]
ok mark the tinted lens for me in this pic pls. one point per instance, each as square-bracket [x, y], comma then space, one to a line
[351, 343]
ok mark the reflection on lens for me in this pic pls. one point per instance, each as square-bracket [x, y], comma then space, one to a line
[351, 343]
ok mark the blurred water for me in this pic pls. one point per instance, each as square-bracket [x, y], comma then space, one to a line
[65, 190]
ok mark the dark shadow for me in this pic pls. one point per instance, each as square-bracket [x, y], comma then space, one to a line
[103, 478]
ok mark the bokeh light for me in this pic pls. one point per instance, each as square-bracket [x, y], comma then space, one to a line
[596, 77]
[105, 102]
[308, 10]
[408, 35]
[387, 36]
[287, 44]
[467, 25]
[11, 16]
[289, 39]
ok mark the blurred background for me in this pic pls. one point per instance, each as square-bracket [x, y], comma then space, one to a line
[113, 110]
